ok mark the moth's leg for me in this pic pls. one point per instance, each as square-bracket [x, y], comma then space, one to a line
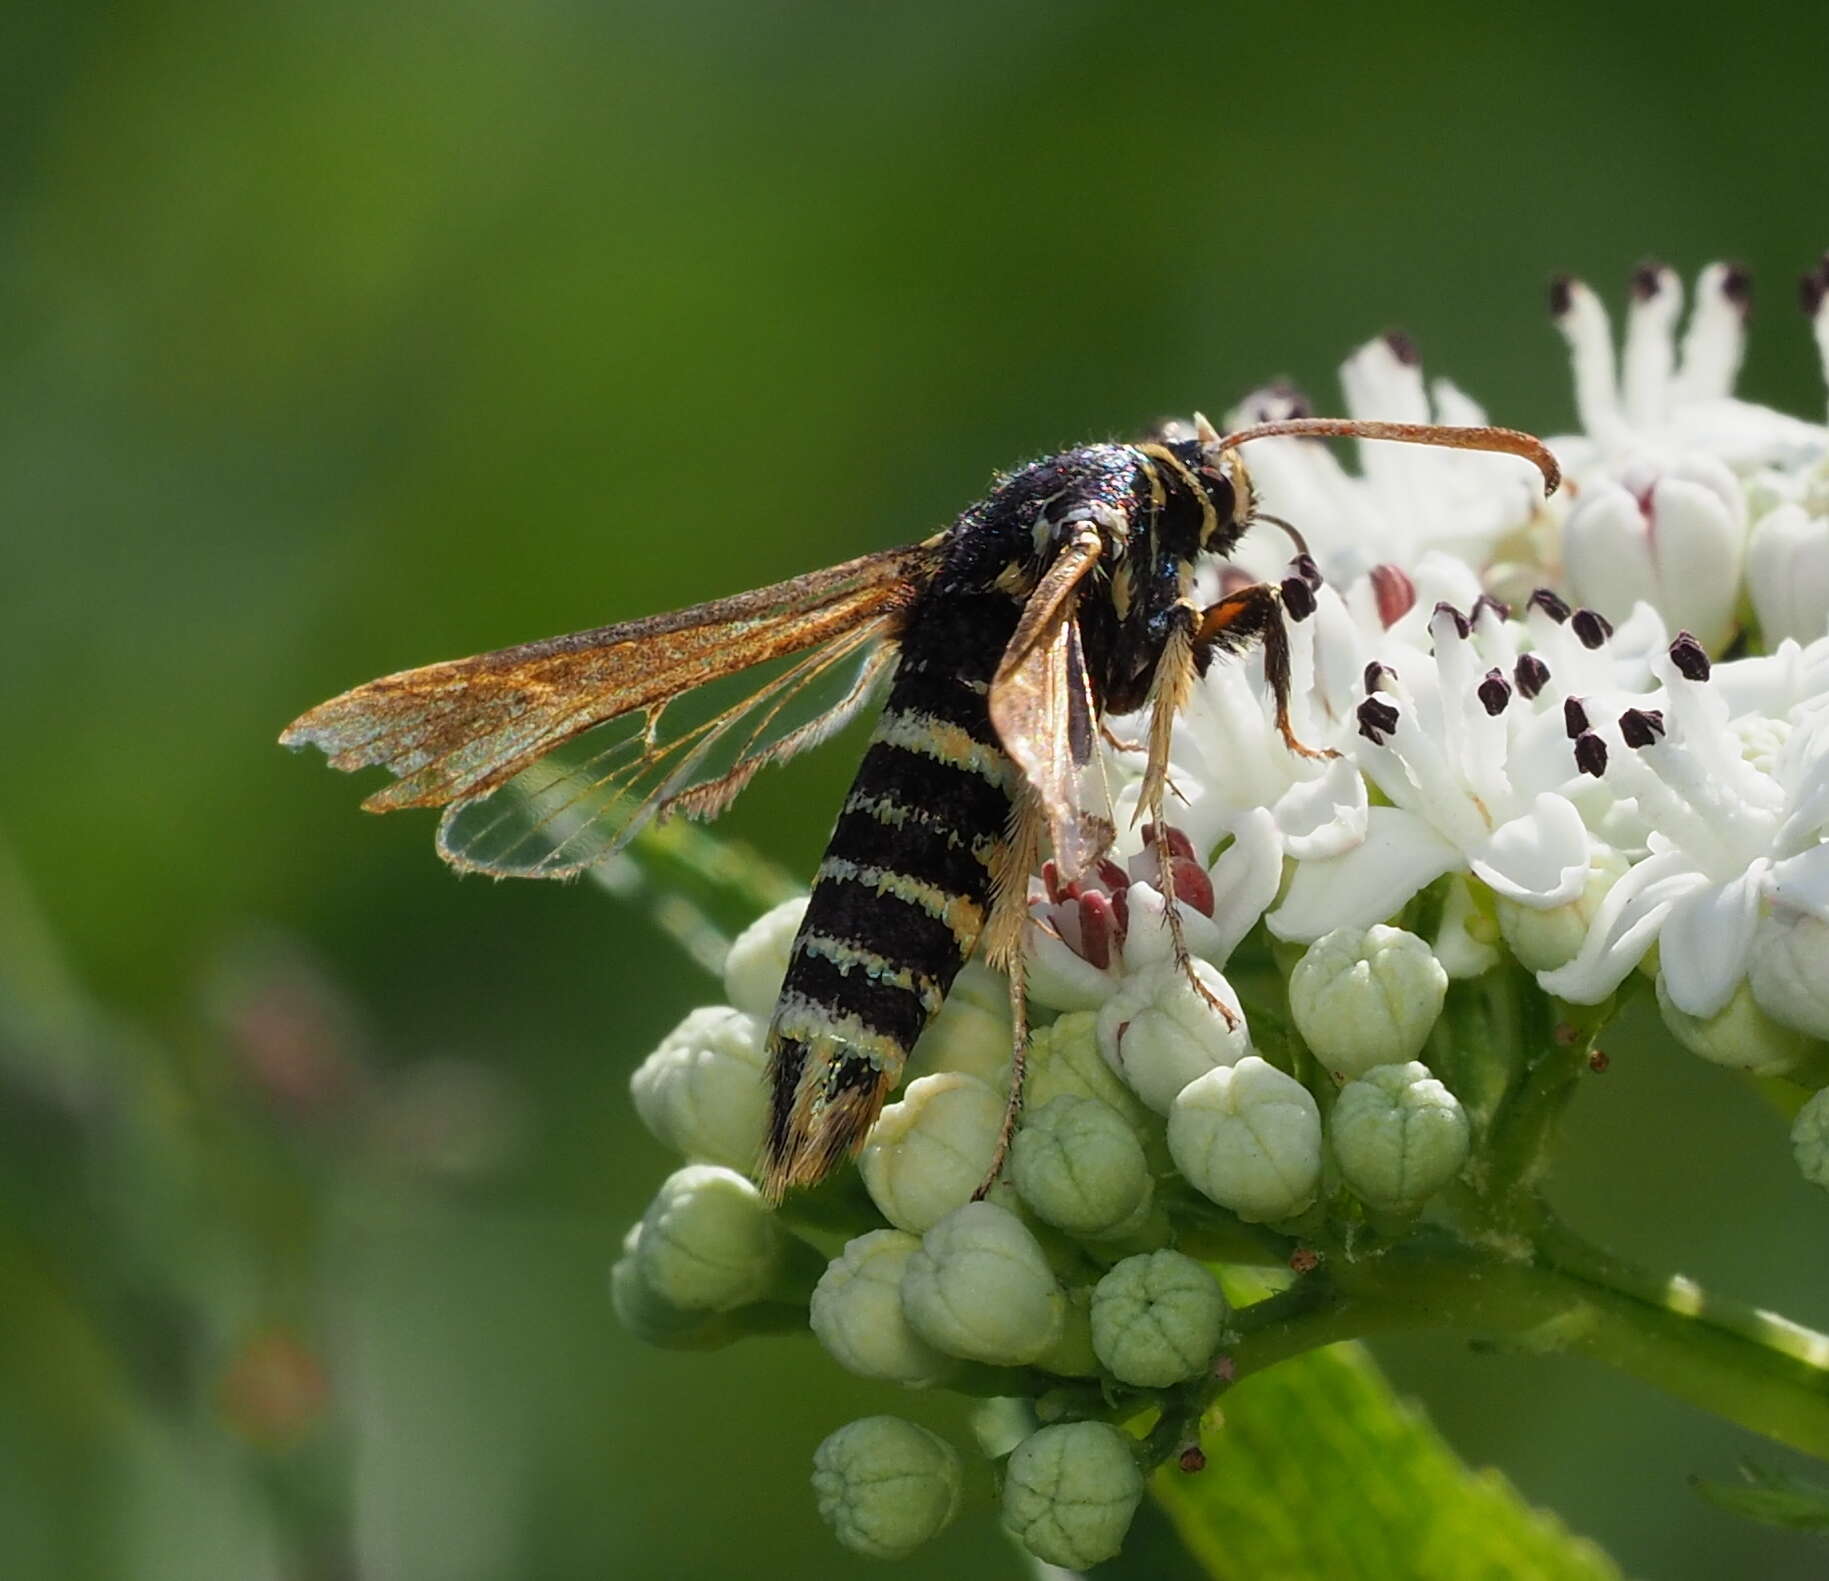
[1255, 614]
[1174, 680]
[1003, 941]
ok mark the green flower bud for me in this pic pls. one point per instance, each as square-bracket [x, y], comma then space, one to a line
[980, 1288]
[757, 961]
[969, 1035]
[857, 1312]
[1158, 1033]
[1366, 996]
[1069, 1493]
[707, 1243]
[1080, 1167]
[704, 1091]
[927, 1154]
[1399, 1135]
[1544, 940]
[1810, 1139]
[885, 1486]
[1156, 1319]
[653, 1319]
[1064, 1061]
[1249, 1137]
[1790, 971]
[1740, 1036]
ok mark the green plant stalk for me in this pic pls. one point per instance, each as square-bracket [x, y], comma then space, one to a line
[1559, 1296]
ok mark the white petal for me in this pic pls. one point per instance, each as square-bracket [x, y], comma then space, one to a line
[1606, 550]
[1400, 854]
[1706, 940]
[1590, 340]
[1650, 349]
[1324, 816]
[1715, 342]
[1540, 858]
[1625, 925]
[1246, 878]
[1802, 882]
[1697, 544]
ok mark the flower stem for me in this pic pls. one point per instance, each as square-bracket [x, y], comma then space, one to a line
[1563, 1296]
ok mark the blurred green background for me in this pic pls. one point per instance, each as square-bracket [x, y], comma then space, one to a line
[344, 337]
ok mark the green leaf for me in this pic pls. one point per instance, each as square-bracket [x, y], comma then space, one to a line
[1319, 1470]
[1770, 1497]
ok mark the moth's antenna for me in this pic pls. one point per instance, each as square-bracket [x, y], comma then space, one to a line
[1295, 537]
[1507, 441]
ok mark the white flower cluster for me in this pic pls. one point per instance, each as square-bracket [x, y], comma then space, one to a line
[1573, 741]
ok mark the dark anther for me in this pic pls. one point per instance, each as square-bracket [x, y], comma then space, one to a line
[1375, 674]
[1574, 717]
[1298, 598]
[1192, 1459]
[1737, 285]
[1306, 568]
[1690, 657]
[1500, 609]
[1550, 604]
[1639, 727]
[1494, 692]
[1562, 294]
[1591, 754]
[1377, 719]
[1531, 674]
[1592, 627]
[1598, 1062]
[1461, 626]
[1403, 348]
[1646, 280]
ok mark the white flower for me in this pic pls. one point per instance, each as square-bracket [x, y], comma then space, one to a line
[885, 1486]
[1159, 1032]
[1365, 997]
[1670, 533]
[1739, 1035]
[1408, 499]
[1080, 1167]
[703, 1092]
[1083, 937]
[707, 1243]
[758, 957]
[1728, 838]
[1810, 1139]
[1789, 976]
[1249, 1137]
[856, 1312]
[1470, 789]
[1069, 1492]
[1544, 940]
[1659, 513]
[1787, 567]
[1653, 405]
[927, 1154]
[971, 1034]
[980, 1288]
[1399, 1136]
[1157, 1319]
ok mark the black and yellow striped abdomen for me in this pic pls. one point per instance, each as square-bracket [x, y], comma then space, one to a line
[900, 898]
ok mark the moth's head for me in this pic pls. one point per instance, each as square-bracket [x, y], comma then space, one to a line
[1220, 471]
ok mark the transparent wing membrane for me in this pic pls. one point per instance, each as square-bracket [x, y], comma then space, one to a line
[690, 754]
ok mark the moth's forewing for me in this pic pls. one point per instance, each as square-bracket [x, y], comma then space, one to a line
[457, 731]
[1042, 705]
[585, 800]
